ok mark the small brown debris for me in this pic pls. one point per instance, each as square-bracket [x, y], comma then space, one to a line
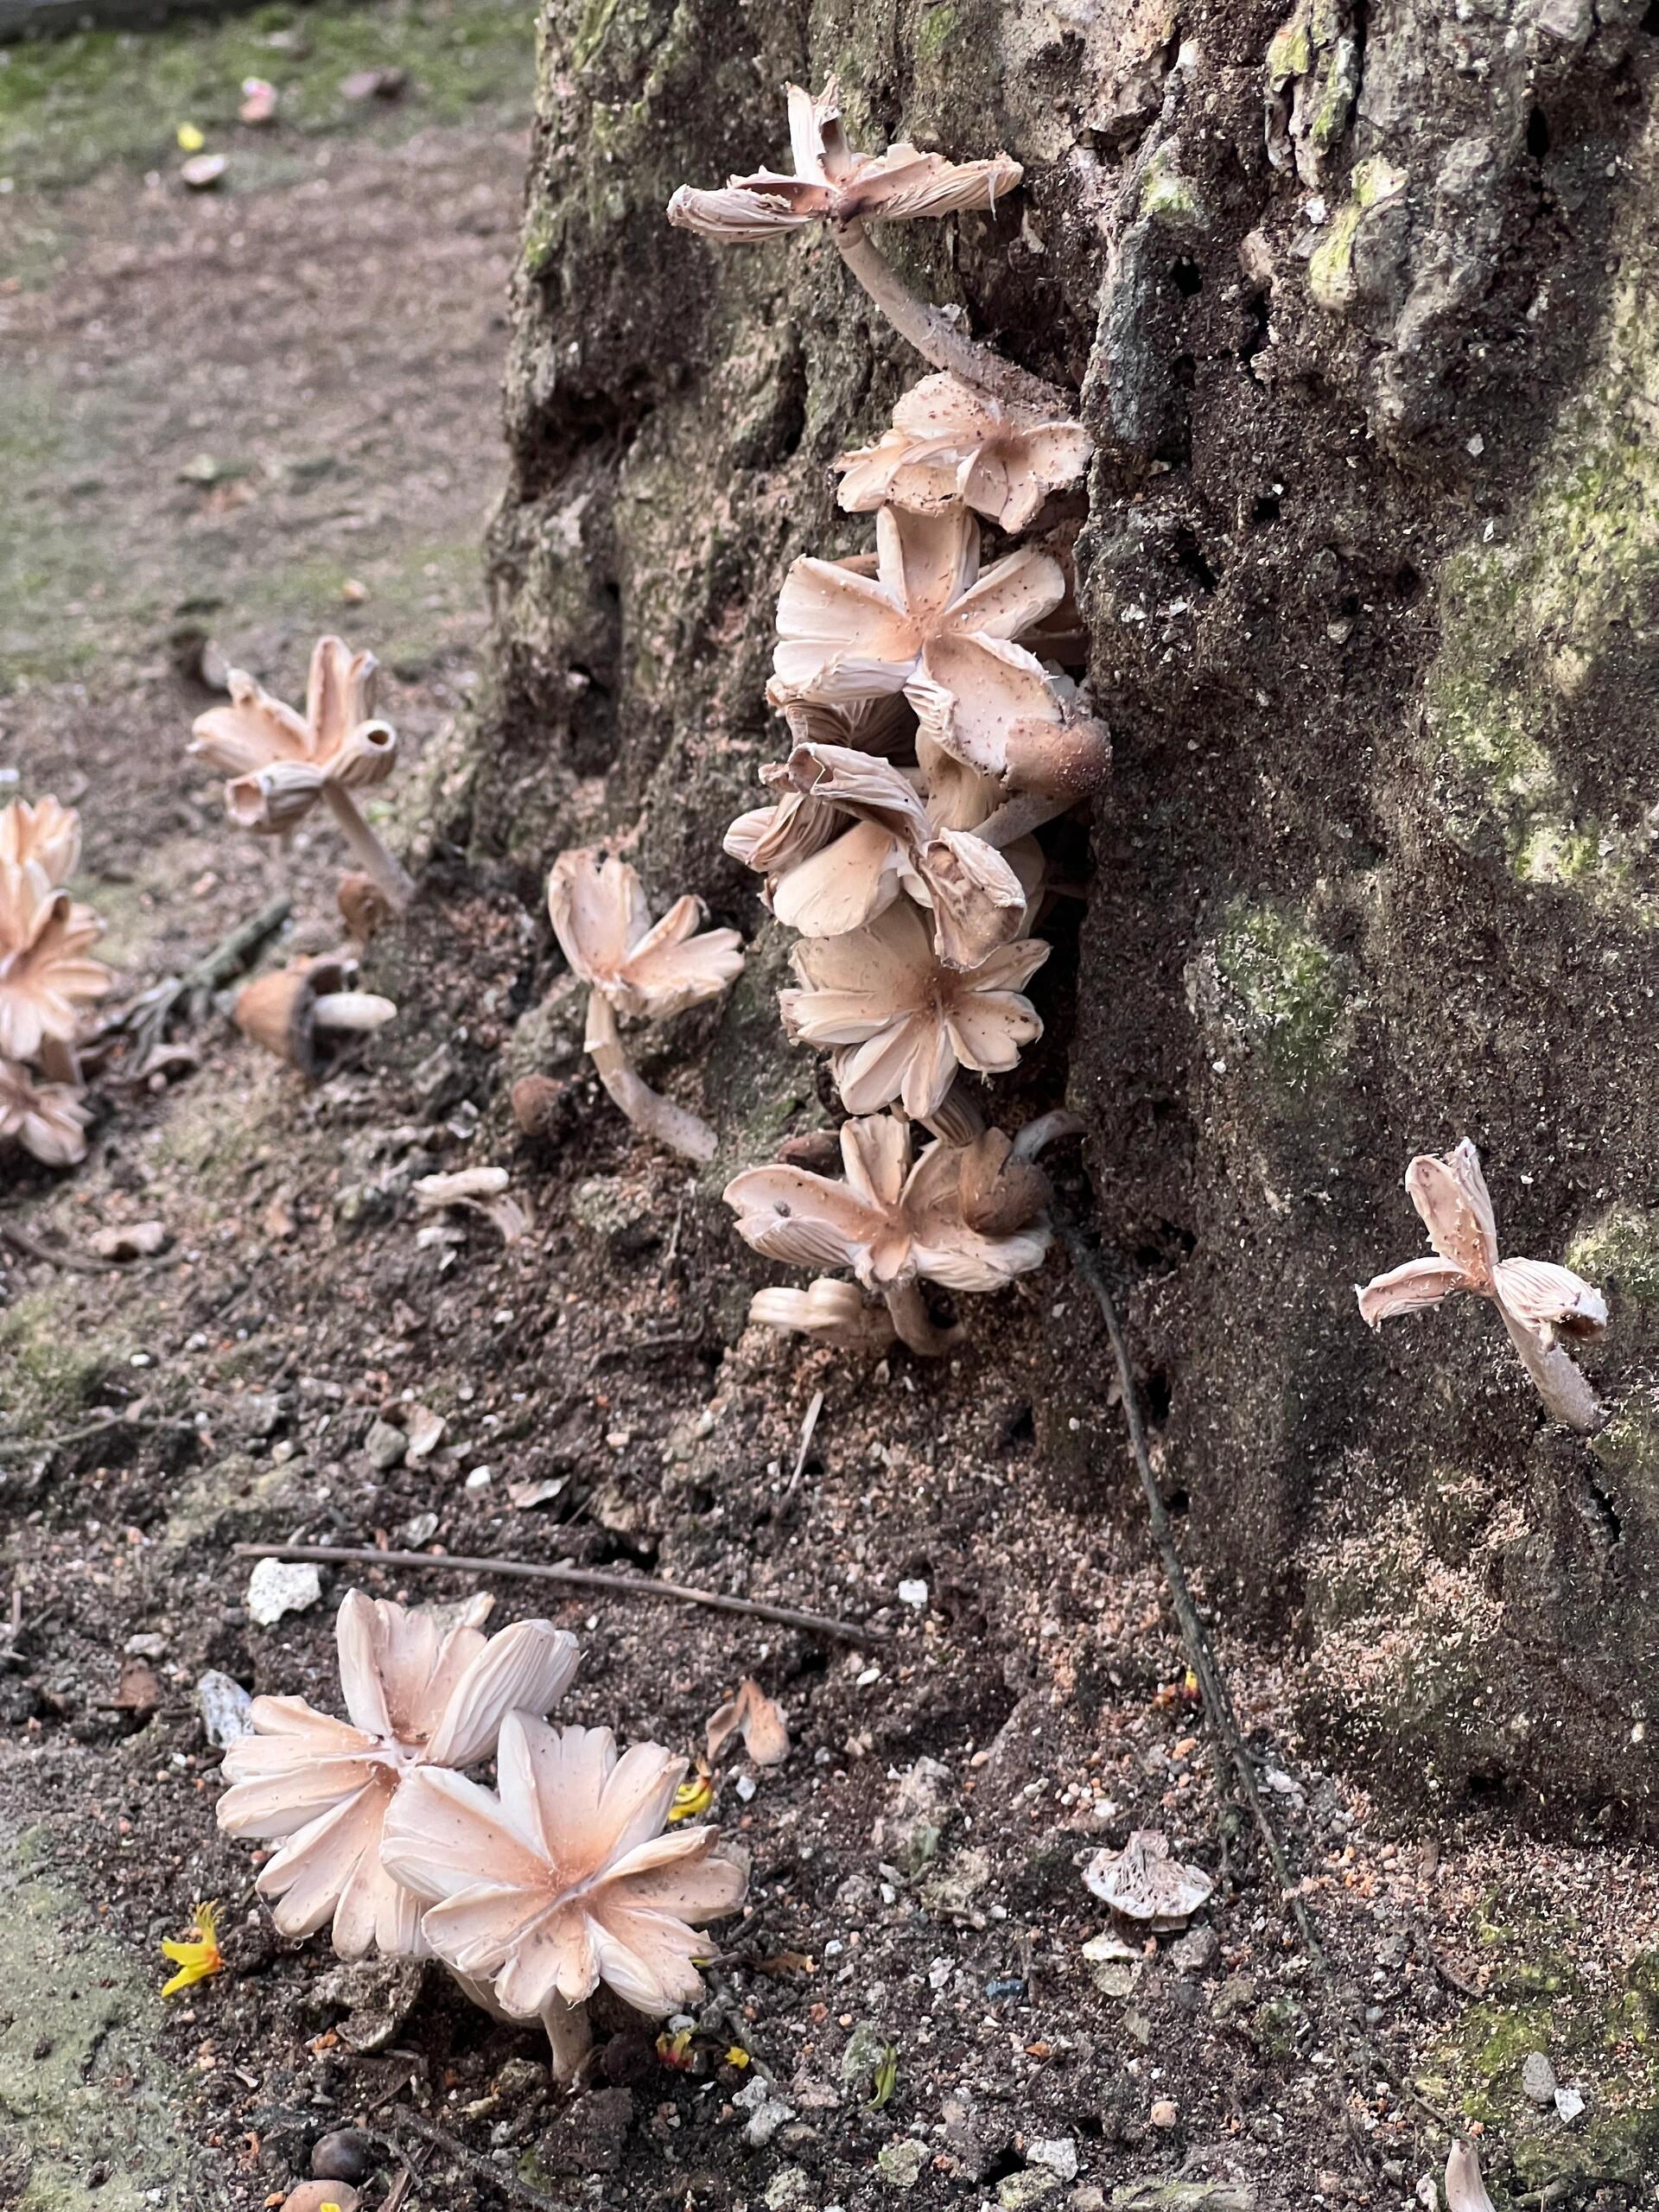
[758, 1718]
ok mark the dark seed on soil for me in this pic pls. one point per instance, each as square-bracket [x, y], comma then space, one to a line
[348, 2154]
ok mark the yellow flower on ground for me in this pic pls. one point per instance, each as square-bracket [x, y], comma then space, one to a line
[198, 1957]
[694, 1795]
[190, 139]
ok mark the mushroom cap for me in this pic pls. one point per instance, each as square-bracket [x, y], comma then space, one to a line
[364, 907]
[277, 1011]
[1144, 1882]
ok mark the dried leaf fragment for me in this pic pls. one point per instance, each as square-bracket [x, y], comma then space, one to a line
[758, 1718]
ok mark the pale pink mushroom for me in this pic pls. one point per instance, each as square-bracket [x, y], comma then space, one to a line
[902, 1023]
[46, 833]
[893, 1224]
[280, 763]
[47, 1119]
[835, 1313]
[419, 1699]
[45, 976]
[638, 968]
[1539, 1302]
[565, 1881]
[952, 441]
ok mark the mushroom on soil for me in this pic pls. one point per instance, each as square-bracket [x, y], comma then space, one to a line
[306, 1013]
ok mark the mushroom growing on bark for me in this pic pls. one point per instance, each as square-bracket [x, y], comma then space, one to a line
[280, 763]
[565, 1879]
[893, 1224]
[1538, 1302]
[902, 1022]
[305, 1013]
[844, 190]
[951, 442]
[634, 967]
[419, 1699]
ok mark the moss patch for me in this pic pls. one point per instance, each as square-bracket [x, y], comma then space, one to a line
[1620, 1253]
[53, 1369]
[1284, 991]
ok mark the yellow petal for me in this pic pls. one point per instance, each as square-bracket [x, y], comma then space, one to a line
[190, 138]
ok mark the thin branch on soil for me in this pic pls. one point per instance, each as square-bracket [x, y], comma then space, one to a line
[1365, 2061]
[579, 1578]
[57, 1255]
[500, 2178]
[809, 1429]
[25, 1447]
[145, 1020]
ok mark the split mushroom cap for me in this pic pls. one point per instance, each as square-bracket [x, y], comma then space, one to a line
[565, 1879]
[977, 899]
[927, 616]
[902, 1022]
[603, 923]
[1538, 1302]
[889, 1222]
[45, 976]
[419, 1698]
[47, 1119]
[836, 1312]
[302, 1013]
[278, 761]
[1146, 1882]
[952, 441]
[364, 907]
[833, 184]
[46, 833]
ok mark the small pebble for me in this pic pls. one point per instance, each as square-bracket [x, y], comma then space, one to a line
[278, 1587]
[346, 2154]
[1164, 2114]
[385, 1445]
[1538, 2078]
[1058, 2153]
[223, 1704]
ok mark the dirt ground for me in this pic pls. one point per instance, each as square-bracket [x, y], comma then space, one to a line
[231, 421]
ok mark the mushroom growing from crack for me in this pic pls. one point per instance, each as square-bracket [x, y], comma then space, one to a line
[903, 1023]
[844, 191]
[636, 969]
[1539, 1303]
[46, 980]
[306, 1013]
[420, 1699]
[951, 442]
[565, 1879]
[893, 1224]
[280, 763]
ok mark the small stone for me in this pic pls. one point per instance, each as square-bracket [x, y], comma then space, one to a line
[1015, 2191]
[866, 2048]
[1164, 2112]
[901, 2163]
[145, 1647]
[479, 1478]
[376, 1995]
[1538, 2078]
[386, 1447]
[419, 1530]
[223, 1704]
[278, 1587]
[203, 171]
[1569, 2105]
[1196, 1952]
[131, 1239]
[312, 2196]
[259, 1414]
[768, 2112]
[788, 2187]
[914, 1594]
[344, 2154]
[1059, 2153]
[425, 1431]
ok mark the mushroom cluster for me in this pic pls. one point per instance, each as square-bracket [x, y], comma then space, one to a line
[565, 1876]
[935, 730]
[47, 981]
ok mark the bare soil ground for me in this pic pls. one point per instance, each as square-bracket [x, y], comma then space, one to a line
[250, 416]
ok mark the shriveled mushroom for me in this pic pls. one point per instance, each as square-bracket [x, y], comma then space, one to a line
[1538, 1302]
[478, 1190]
[836, 1312]
[844, 190]
[1144, 1882]
[637, 968]
[47, 1119]
[952, 441]
[565, 1879]
[305, 1013]
[364, 907]
[758, 1718]
[901, 1021]
[281, 763]
[892, 1223]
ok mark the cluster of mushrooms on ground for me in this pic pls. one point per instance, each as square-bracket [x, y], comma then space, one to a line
[934, 730]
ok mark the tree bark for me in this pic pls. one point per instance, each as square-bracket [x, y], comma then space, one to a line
[1360, 306]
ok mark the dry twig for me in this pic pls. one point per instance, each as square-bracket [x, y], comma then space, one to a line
[502, 2179]
[146, 1019]
[579, 1578]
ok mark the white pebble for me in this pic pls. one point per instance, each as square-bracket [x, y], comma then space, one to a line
[278, 1587]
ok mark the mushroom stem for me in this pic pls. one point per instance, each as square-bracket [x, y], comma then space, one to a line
[915, 1324]
[959, 1120]
[355, 1010]
[570, 2036]
[1564, 1389]
[372, 856]
[1047, 1128]
[646, 1108]
[1018, 817]
[935, 336]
